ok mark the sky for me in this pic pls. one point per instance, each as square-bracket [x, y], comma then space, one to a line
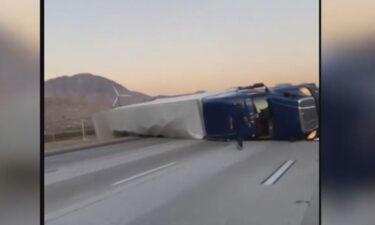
[179, 46]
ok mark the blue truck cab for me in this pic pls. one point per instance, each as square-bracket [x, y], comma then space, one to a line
[278, 114]
[306, 89]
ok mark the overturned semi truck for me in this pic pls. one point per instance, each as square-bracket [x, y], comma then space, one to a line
[281, 113]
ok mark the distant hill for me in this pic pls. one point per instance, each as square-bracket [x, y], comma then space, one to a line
[91, 88]
[69, 99]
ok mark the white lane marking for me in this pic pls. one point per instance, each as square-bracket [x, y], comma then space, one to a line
[278, 173]
[143, 173]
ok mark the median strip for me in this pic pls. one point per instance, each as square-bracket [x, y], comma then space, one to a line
[276, 175]
[143, 173]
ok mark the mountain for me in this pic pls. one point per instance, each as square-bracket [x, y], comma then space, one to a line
[70, 99]
[91, 88]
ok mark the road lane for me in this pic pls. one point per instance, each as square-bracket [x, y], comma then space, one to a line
[53, 162]
[143, 173]
[85, 163]
[65, 192]
[206, 180]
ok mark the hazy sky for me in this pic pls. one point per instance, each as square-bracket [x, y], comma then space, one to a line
[172, 47]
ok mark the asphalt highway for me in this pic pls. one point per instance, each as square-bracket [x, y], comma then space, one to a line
[163, 181]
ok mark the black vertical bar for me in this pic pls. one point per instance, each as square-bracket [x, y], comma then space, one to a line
[41, 37]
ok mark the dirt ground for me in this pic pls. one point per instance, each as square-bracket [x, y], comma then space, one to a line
[51, 146]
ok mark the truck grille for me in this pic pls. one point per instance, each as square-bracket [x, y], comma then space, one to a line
[308, 114]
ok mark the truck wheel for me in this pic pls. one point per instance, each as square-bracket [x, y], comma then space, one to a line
[291, 139]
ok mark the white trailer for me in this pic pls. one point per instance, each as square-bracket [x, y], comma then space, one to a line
[177, 117]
